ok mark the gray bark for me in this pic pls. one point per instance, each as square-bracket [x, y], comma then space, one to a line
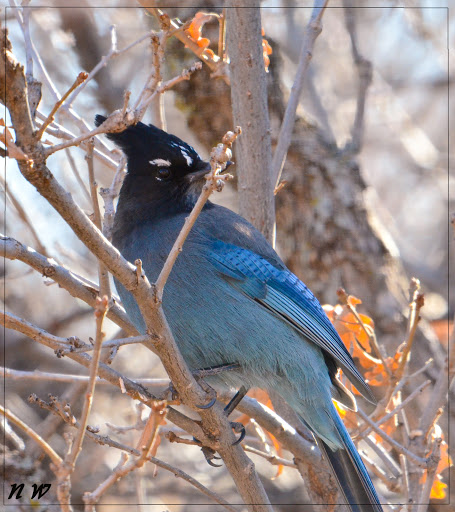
[250, 111]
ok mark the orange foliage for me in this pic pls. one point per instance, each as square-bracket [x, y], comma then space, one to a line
[438, 489]
[356, 338]
[195, 31]
[266, 51]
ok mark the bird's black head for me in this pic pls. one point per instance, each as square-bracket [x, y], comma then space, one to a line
[161, 165]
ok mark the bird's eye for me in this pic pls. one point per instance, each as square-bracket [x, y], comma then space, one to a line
[163, 174]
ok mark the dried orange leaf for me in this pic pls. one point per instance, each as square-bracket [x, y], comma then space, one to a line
[266, 51]
[195, 31]
[353, 301]
[438, 490]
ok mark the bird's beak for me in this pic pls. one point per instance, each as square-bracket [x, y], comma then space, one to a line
[203, 170]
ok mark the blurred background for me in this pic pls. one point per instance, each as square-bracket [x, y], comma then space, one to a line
[403, 187]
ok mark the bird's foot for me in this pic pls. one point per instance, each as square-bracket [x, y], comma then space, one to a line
[215, 370]
[209, 372]
[201, 374]
[210, 455]
[238, 428]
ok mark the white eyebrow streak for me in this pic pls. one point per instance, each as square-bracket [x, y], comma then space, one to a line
[186, 156]
[160, 162]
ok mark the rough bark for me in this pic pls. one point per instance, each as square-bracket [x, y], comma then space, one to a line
[250, 110]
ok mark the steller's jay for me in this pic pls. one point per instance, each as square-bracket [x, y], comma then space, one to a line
[230, 298]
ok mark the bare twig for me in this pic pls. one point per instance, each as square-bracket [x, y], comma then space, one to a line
[158, 42]
[433, 460]
[12, 249]
[392, 468]
[272, 459]
[109, 195]
[81, 77]
[416, 303]
[113, 52]
[421, 462]
[100, 312]
[158, 413]
[37, 375]
[55, 458]
[405, 476]
[312, 30]
[23, 216]
[438, 397]
[218, 158]
[400, 406]
[216, 65]
[365, 72]
[101, 151]
[105, 287]
[140, 110]
[77, 174]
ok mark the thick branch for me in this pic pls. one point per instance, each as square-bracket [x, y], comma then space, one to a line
[14, 250]
[253, 150]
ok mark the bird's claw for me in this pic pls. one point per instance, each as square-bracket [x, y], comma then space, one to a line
[238, 428]
[207, 406]
[209, 455]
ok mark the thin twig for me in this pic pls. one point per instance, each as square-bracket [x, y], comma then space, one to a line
[140, 110]
[113, 52]
[100, 312]
[23, 216]
[158, 42]
[109, 195]
[102, 153]
[77, 174]
[435, 456]
[400, 406]
[272, 459]
[406, 378]
[37, 375]
[76, 141]
[103, 274]
[416, 303]
[381, 452]
[218, 158]
[421, 462]
[216, 65]
[74, 284]
[158, 412]
[438, 396]
[312, 30]
[390, 482]
[81, 77]
[55, 458]
[365, 74]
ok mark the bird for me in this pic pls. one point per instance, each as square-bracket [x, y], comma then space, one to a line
[230, 299]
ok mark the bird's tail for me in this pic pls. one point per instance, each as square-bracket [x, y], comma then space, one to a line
[350, 472]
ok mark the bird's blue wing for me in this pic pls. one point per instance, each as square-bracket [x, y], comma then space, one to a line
[286, 296]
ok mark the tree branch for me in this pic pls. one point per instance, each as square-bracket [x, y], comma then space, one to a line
[312, 30]
[254, 149]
